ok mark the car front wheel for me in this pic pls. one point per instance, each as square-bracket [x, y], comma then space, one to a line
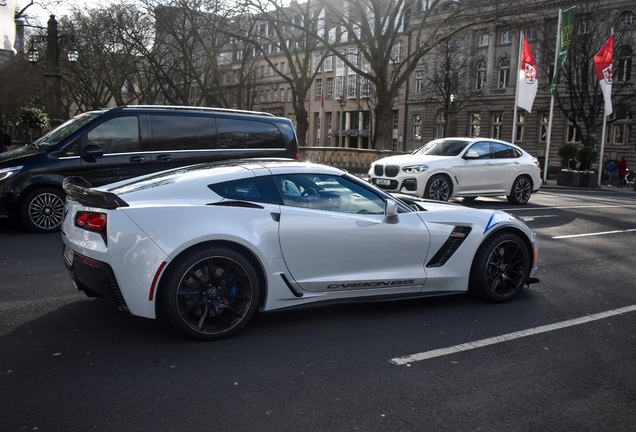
[521, 191]
[211, 294]
[500, 269]
[42, 210]
[438, 188]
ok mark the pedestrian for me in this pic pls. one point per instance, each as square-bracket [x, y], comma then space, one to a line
[611, 170]
[622, 171]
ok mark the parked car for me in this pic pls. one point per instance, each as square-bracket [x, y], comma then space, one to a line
[109, 145]
[460, 167]
[208, 245]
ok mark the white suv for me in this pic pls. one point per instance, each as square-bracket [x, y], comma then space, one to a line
[461, 167]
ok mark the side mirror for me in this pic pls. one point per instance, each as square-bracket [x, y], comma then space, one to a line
[390, 209]
[471, 154]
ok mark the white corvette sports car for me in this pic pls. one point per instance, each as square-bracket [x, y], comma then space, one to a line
[208, 245]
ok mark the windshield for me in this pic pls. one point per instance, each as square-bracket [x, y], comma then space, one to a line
[442, 147]
[61, 132]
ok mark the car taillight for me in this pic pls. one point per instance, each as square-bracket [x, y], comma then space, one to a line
[92, 221]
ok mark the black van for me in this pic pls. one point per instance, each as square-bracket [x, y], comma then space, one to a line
[108, 145]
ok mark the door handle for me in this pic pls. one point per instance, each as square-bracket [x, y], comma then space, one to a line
[164, 158]
[137, 159]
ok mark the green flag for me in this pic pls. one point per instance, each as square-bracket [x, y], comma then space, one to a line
[563, 43]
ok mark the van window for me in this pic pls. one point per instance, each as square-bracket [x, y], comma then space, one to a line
[183, 133]
[118, 135]
[246, 134]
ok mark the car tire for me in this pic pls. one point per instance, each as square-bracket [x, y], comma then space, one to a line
[438, 188]
[42, 209]
[500, 269]
[520, 191]
[211, 294]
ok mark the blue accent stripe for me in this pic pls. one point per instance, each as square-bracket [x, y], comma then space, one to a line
[489, 226]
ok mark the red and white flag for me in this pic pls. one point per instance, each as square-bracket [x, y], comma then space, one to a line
[322, 105]
[603, 66]
[528, 84]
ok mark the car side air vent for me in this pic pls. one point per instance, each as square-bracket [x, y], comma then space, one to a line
[391, 170]
[451, 245]
[379, 170]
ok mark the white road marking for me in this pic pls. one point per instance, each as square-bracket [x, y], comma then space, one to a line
[510, 336]
[595, 234]
[531, 218]
[516, 209]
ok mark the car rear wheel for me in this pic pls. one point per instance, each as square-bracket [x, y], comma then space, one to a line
[42, 210]
[521, 191]
[212, 293]
[500, 269]
[438, 188]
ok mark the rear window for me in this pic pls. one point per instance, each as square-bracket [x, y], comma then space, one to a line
[183, 133]
[247, 134]
[260, 189]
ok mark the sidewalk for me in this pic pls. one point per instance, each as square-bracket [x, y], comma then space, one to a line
[552, 184]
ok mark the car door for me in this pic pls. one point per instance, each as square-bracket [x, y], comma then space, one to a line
[505, 166]
[475, 173]
[334, 236]
[112, 152]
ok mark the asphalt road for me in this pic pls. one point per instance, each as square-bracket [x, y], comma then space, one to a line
[69, 363]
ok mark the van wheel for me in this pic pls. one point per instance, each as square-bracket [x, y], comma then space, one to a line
[42, 210]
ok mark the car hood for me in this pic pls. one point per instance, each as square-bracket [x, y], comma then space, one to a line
[20, 156]
[410, 159]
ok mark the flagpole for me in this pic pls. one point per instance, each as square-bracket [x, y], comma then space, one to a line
[514, 115]
[600, 158]
[547, 144]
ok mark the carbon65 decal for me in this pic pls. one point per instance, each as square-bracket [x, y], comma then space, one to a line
[371, 284]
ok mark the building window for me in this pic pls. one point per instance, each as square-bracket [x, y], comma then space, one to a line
[440, 125]
[504, 73]
[365, 88]
[396, 125]
[318, 89]
[484, 39]
[624, 69]
[419, 81]
[282, 95]
[545, 123]
[269, 96]
[497, 124]
[417, 126]
[329, 88]
[275, 95]
[475, 124]
[352, 56]
[289, 94]
[351, 86]
[239, 55]
[327, 65]
[396, 52]
[339, 61]
[628, 19]
[339, 87]
[481, 75]
[531, 33]
[318, 131]
[620, 127]
[574, 136]
[506, 37]
[521, 126]
[316, 61]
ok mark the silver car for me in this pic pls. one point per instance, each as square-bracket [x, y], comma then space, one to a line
[461, 167]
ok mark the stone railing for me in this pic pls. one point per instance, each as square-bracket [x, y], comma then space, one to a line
[355, 161]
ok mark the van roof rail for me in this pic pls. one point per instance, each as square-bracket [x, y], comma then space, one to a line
[194, 108]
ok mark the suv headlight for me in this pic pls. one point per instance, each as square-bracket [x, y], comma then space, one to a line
[415, 169]
[5, 173]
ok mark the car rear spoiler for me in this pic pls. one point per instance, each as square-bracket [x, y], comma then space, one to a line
[80, 190]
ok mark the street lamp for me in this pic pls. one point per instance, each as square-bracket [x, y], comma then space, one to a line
[342, 102]
[52, 74]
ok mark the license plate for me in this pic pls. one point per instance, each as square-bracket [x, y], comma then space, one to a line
[383, 182]
[68, 255]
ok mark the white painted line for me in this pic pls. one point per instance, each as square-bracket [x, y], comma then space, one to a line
[508, 337]
[516, 209]
[595, 234]
[531, 218]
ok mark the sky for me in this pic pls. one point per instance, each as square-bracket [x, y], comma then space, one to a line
[58, 10]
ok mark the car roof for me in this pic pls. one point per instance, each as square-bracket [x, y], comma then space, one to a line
[475, 139]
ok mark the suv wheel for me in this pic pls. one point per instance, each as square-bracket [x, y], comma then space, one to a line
[42, 210]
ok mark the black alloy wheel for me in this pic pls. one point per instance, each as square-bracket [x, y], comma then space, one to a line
[212, 293]
[500, 269]
[438, 188]
[521, 191]
[43, 209]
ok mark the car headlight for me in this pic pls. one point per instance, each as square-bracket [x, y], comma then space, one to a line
[415, 169]
[5, 173]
